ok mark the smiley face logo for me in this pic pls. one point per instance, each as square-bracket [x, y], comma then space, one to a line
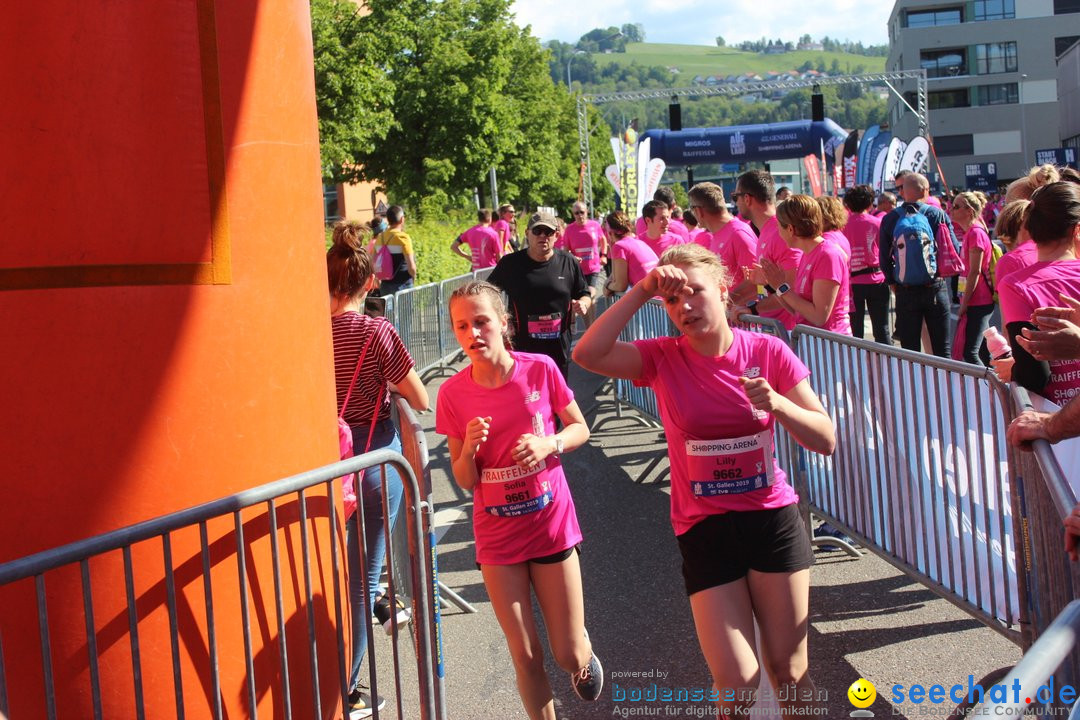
[862, 693]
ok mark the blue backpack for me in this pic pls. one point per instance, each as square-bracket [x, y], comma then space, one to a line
[914, 253]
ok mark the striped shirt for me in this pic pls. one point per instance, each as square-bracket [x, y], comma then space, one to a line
[387, 360]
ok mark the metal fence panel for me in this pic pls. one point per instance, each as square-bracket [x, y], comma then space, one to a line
[921, 468]
[418, 319]
[221, 524]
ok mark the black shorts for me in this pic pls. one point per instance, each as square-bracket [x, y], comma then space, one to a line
[724, 548]
[597, 280]
[553, 558]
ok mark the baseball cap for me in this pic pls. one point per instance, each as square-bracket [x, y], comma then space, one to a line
[543, 218]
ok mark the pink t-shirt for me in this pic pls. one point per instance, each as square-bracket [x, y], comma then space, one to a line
[1035, 286]
[699, 236]
[720, 447]
[736, 246]
[827, 262]
[837, 238]
[583, 241]
[1024, 254]
[862, 232]
[772, 246]
[662, 243]
[484, 243]
[639, 257]
[976, 237]
[518, 514]
[675, 227]
[503, 227]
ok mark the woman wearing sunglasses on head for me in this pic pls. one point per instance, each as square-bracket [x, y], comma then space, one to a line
[546, 288]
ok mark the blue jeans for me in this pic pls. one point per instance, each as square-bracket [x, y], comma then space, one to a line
[371, 492]
[918, 303]
[389, 287]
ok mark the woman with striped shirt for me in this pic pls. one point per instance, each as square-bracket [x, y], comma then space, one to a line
[387, 367]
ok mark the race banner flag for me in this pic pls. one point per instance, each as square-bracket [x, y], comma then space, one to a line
[813, 172]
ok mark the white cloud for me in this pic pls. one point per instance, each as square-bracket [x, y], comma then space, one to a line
[698, 22]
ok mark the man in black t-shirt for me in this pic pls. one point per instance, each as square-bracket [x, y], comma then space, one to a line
[546, 288]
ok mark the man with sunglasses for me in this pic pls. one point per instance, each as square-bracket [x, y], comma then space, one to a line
[546, 288]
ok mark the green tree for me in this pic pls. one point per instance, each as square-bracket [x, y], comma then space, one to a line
[468, 84]
[634, 32]
[720, 42]
[352, 93]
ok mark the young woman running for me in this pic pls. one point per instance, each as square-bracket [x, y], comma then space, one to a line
[744, 546]
[498, 415]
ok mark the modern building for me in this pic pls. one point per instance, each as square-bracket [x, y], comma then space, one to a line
[991, 69]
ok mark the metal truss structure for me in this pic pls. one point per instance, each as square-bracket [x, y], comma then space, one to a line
[766, 86]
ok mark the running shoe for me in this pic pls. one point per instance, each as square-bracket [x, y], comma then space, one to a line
[383, 614]
[825, 530]
[589, 680]
[360, 705]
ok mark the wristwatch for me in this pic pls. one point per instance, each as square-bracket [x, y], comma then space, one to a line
[784, 287]
[559, 445]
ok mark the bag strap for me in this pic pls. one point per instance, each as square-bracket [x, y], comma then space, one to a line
[356, 373]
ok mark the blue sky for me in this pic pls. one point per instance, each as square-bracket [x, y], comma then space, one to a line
[698, 22]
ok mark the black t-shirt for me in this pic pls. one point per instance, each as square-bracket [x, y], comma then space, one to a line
[540, 294]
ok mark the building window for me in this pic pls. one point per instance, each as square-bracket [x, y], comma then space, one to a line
[945, 99]
[993, 58]
[999, 94]
[995, 9]
[944, 63]
[949, 145]
[930, 18]
[1064, 7]
[1062, 44]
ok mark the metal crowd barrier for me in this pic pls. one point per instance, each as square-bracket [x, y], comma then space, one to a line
[306, 505]
[649, 321]
[1032, 687]
[921, 470]
[1046, 497]
[421, 316]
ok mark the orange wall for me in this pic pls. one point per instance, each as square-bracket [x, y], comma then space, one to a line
[166, 338]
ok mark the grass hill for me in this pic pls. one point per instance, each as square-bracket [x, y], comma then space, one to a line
[694, 60]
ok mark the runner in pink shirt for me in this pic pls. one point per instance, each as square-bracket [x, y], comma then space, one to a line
[833, 219]
[1020, 249]
[698, 234]
[731, 238]
[676, 227]
[754, 198]
[585, 240]
[819, 295]
[498, 415]
[504, 228]
[485, 248]
[1053, 222]
[656, 235]
[745, 550]
[631, 258]
[977, 297]
[869, 293]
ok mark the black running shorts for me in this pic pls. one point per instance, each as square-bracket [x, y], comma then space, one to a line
[724, 548]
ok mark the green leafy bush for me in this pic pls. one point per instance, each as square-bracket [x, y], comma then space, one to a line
[431, 238]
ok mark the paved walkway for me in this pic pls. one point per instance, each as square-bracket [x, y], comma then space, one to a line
[867, 620]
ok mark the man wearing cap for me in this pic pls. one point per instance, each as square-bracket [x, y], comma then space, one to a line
[546, 289]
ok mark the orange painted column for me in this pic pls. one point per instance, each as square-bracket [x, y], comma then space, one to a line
[164, 326]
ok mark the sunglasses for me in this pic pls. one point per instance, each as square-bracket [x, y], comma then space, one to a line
[736, 195]
[542, 231]
[579, 212]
